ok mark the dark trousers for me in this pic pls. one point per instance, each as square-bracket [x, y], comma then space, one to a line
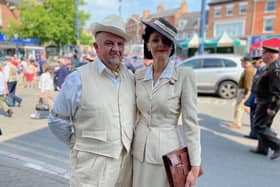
[12, 91]
[253, 132]
[262, 123]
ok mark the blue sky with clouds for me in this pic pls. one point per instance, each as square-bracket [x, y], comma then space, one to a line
[100, 8]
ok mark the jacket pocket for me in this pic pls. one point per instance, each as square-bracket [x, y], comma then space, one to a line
[97, 135]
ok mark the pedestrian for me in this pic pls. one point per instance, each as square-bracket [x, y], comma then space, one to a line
[47, 93]
[259, 65]
[94, 112]
[267, 94]
[30, 73]
[3, 92]
[163, 92]
[60, 74]
[244, 89]
[10, 71]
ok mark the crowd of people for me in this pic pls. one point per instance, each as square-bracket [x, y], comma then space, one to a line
[29, 73]
[259, 94]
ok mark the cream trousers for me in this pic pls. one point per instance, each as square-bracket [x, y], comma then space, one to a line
[93, 170]
[240, 107]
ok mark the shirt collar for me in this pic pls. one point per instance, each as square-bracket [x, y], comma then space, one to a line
[101, 67]
[167, 72]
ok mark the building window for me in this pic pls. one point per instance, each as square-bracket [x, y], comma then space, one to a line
[242, 8]
[217, 12]
[233, 28]
[229, 10]
[268, 24]
[270, 6]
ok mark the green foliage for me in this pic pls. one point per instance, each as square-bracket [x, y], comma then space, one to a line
[52, 20]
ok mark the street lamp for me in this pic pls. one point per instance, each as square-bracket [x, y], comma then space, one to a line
[77, 29]
[202, 27]
[16, 37]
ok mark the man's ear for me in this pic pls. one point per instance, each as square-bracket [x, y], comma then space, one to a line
[95, 46]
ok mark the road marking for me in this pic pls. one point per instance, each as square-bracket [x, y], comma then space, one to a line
[38, 165]
[32, 151]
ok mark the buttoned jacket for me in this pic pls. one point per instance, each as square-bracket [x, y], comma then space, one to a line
[159, 110]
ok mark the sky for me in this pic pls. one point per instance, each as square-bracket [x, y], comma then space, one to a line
[98, 9]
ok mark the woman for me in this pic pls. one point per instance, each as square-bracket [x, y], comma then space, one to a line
[46, 85]
[30, 73]
[163, 91]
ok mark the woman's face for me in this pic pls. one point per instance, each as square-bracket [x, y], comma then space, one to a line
[159, 46]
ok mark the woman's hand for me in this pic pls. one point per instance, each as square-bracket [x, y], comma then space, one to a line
[192, 176]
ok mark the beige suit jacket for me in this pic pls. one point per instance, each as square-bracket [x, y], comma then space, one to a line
[159, 110]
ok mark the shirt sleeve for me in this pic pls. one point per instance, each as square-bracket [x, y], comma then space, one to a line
[66, 104]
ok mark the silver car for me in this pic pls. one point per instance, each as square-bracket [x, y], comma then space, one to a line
[216, 73]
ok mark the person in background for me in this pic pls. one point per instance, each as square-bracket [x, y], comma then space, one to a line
[41, 63]
[267, 94]
[244, 90]
[47, 92]
[94, 112]
[259, 65]
[22, 69]
[10, 71]
[46, 85]
[30, 73]
[60, 74]
[163, 92]
[3, 92]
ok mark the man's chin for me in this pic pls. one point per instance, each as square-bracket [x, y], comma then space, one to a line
[115, 61]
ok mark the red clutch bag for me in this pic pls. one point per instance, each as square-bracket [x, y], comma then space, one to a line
[177, 166]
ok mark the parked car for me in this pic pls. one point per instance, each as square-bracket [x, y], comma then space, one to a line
[216, 73]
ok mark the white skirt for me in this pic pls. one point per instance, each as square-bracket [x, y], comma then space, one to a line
[148, 175]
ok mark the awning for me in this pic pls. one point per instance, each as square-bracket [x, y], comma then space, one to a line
[224, 41]
[191, 43]
[272, 42]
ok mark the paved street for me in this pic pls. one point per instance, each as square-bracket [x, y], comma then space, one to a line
[31, 156]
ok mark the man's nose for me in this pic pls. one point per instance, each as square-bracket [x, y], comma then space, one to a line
[116, 47]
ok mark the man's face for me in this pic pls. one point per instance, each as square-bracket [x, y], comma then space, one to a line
[258, 63]
[269, 57]
[109, 48]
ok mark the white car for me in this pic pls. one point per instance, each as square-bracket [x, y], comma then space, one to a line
[216, 73]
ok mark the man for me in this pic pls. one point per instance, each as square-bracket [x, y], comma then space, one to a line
[259, 65]
[60, 74]
[267, 94]
[95, 111]
[244, 86]
[10, 71]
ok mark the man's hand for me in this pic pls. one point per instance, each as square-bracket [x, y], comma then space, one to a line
[270, 112]
[192, 176]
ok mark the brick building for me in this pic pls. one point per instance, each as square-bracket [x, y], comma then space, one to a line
[243, 18]
[135, 28]
[8, 12]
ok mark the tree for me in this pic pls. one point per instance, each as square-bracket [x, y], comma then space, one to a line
[50, 20]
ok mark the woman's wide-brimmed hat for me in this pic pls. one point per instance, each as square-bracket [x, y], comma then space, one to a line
[112, 24]
[163, 27]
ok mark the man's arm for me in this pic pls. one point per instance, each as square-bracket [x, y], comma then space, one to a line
[275, 90]
[65, 106]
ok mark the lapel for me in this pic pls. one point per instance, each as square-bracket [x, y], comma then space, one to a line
[165, 81]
